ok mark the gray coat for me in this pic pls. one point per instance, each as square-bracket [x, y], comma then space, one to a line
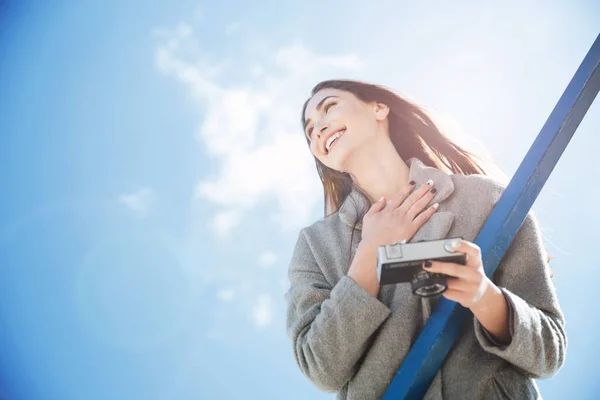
[345, 340]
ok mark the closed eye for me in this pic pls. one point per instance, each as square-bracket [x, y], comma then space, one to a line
[328, 106]
[325, 109]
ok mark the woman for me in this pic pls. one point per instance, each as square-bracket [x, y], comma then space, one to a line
[389, 175]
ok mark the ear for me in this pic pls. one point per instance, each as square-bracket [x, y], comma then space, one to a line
[381, 111]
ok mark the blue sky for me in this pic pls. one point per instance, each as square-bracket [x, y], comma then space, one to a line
[155, 176]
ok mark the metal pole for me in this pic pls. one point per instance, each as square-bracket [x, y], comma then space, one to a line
[443, 327]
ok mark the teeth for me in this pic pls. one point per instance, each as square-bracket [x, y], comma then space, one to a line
[332, 138]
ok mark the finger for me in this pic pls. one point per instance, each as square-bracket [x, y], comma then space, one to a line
[415, 196]
[377, 206]
[471, 249]
[425, 215]
[398, 199]
[450, 269]
[421, 203]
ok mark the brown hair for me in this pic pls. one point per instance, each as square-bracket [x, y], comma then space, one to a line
[412, 132]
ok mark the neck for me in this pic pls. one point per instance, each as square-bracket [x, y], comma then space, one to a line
[379, 170]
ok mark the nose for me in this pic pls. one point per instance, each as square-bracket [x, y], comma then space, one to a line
[321, 128]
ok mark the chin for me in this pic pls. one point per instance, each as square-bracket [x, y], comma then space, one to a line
[341, 160]
[338, 164]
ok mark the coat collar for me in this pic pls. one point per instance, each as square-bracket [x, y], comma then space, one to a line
[440, 222]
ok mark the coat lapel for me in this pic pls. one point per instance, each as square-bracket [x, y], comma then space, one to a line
[440, 222]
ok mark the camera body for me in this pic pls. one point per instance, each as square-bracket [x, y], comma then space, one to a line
[403, 262]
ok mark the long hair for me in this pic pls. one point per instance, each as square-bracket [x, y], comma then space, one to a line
[412, 132]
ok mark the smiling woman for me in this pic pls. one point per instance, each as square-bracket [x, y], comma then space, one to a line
[349, 334]
[362, 113]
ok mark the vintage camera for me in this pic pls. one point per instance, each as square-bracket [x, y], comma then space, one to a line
[403, 262]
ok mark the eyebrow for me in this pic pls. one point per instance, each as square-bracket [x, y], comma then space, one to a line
[318, 109]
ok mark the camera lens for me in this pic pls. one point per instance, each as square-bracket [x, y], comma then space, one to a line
[426, 284]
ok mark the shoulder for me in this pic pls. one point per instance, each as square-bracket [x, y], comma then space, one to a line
[324, 248]
[477, 189]
[478, 194]
[323, 230]
[322, 225]
[481, 186]
[474, 196]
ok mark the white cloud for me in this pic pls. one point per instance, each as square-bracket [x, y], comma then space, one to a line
[262, 313]
[267, 259]
[252, 128]
[138, 202]
[251, 132]
[225, 221]
[299, 60]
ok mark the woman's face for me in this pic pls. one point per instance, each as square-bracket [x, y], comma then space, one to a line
[338, 124]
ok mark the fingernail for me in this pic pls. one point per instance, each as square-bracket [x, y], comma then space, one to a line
[436, 205]
[427, 264]
[455, 244]
[430, 182]
[412, 183]
[381, 199]
[433, 191]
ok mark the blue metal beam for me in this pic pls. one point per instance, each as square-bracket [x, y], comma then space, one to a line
[443, 327]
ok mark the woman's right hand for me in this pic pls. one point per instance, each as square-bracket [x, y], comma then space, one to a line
[400, 217]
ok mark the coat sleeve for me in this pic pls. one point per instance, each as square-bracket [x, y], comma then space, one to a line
[537, 324]
[330, 326]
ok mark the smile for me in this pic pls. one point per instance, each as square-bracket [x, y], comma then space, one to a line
[333, 139]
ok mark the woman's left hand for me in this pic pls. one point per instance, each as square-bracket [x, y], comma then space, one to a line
[470, 283]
